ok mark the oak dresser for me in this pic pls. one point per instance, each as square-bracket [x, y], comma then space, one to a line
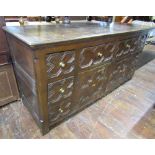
[62, 69]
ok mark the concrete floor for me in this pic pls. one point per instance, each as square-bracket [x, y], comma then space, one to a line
[125, 113]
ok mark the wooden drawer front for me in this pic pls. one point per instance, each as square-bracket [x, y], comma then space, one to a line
[60, 64]
[120, 72]
[92, 56]
[60, 90]
[126, 47]
[91, 85]
[130, 46]
[59, 111]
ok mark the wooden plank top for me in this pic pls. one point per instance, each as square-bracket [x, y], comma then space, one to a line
[34, 35]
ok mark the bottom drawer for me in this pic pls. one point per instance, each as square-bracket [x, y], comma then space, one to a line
[59, 111]
[120, 72]
[91, 86]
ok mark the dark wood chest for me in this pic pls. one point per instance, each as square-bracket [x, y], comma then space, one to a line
[57, 80]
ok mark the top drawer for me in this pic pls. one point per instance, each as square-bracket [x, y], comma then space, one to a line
[59, 64]
[126, 47]
[93, 56]
[130, 46]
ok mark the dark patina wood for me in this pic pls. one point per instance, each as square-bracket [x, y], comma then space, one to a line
[8, 86]
[62, 69]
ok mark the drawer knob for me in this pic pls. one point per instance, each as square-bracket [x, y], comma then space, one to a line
[62, 64]
[93, 85]
[62, 90]
[99, 54]
[60, 110]
[128, 45]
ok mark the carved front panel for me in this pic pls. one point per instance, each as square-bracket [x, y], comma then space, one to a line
[91, 85]
[60, 64]
[130, 46]
[126, 47]
[120, 72]
[59, 111]
[96, 55]
[60, 90]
